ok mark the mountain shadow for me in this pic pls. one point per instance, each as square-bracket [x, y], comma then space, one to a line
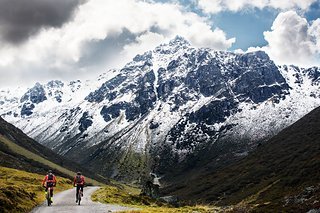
[280, 175]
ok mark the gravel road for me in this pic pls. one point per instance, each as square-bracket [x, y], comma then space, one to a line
[65, 202]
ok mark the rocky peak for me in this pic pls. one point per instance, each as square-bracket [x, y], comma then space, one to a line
[176, 44]
[144, 57]
[256, 58]
[55, 84]
[179, 41]
[36, 94]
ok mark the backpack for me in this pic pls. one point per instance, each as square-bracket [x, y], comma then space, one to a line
[50, 180]
[78, 179]
[50, 177]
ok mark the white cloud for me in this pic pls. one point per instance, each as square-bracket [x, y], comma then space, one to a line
[240, 51]
[314, 31]
[215, 6]
[292, 40]
[58, 51]
[144, 43]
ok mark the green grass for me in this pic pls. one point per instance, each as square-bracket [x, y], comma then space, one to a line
[21, 191]
[30, 155]
[131, 197]
[186, 209]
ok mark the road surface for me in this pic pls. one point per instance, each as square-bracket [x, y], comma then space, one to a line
[65, 202]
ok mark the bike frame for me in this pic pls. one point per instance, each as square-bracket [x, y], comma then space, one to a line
[48, 194]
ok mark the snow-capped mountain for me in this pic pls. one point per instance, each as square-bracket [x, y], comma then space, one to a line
[164, 108]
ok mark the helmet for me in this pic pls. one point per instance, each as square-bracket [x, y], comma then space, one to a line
[78, 173]
[50, 171]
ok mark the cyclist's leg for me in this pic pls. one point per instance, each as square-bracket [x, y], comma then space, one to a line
[46, 192]
[81, 190]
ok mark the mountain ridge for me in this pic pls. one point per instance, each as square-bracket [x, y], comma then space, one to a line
[165, 107]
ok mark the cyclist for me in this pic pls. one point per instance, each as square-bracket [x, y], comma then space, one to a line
[79, 183]
[49, 181]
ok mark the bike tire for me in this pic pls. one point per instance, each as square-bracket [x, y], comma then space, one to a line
[79, 198]
[48, 199]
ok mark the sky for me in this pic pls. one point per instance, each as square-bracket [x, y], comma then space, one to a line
[43, 40]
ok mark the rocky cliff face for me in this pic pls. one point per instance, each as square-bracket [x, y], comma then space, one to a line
[167, 108]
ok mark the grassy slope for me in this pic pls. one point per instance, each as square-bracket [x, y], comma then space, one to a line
[117, 195]
[34, 157]
[21, 191]
[19, 151]
[273, 178]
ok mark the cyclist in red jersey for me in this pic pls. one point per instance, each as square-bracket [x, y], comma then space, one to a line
[49, 181]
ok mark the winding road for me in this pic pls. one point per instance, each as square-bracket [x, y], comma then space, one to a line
[65, 202]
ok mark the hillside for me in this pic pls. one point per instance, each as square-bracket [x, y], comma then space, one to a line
[19, 151]
[20, 191]
[282, 174]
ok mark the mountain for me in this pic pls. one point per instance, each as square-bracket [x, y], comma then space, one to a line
[281, 175]
[168, 110]
[19, 151]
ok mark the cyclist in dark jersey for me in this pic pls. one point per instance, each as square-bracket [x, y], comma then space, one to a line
[79, 183]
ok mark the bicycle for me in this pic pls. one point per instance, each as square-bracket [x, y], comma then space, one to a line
[79, 183]
[48, 195]
[79, 195]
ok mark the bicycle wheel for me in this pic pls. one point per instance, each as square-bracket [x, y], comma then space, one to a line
[79, 197]
[48, 198]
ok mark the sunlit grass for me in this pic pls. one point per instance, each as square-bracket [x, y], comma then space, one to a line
[21, 191]
[24, 152]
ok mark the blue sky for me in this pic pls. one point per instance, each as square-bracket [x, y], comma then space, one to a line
[246, 25]
[314, 11]
[81, 39]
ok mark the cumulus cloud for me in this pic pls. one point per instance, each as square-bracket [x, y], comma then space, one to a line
[55, 52]
[292, 40]
[21, 19]
[314, 31]
[215, 6]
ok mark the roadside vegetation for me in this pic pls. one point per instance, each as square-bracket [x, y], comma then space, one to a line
[21, 191]
[123, 195]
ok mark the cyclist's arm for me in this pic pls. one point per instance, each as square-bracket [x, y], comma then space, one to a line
[44, 180]
[54, 180]
[74, 181]
[83, 182]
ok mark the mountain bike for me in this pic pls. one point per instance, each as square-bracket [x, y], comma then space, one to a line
[48, 195]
